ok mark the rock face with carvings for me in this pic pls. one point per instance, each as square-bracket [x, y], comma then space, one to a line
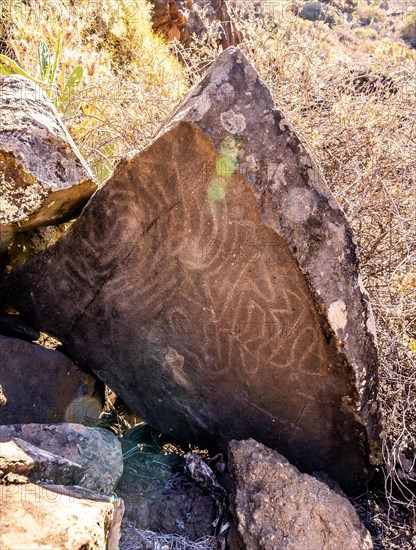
[276, 506]
[180, 19]
[43, 179]
[218, 292]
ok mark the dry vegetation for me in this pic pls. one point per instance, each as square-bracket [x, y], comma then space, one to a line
[133, 538]
[349, 93]
[129, 83]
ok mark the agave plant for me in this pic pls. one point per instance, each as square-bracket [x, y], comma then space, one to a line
[48, 62]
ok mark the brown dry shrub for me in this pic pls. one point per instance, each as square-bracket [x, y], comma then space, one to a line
[408, 29]
[370, 13]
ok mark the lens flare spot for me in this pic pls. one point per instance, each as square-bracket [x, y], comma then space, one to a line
[217, 190]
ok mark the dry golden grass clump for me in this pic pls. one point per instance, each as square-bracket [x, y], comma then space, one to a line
[351, 97]
[408, 28]
[130, 80]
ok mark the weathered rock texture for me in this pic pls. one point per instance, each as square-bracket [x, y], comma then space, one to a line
[277, 507]
[213, 284]
[16, 327]
[180, 19]
[43, 179]
[20, 458]
[95, 450]
[34, 516]
[43, 385]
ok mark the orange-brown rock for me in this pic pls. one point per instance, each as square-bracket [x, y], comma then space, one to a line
[69, 518]
[180, 19]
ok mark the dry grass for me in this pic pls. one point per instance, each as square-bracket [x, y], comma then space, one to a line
[133, 538]
[363, 134]
[130, 82]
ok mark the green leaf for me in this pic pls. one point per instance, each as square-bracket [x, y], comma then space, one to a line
[5, 69]
[58, 47]
[44, 60]
[72, 83]
[16, 69]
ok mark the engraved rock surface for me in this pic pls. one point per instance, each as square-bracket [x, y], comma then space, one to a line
[96, 450]
[276, 506]
[43, 179]
[44, 385]
[173, 289]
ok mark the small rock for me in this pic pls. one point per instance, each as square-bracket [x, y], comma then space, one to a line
[96, 450]
[3, 398]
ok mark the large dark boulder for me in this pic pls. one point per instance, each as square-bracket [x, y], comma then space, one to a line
[213, 283]
[44, 385]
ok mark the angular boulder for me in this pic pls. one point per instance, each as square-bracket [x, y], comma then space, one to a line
[95, 450]
[276, 506]
[43, 179]
[35, 516]
[44, 385]
[213, 284]
[20, 458]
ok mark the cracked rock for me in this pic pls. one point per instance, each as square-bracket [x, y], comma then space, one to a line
[43, 179]
[64, 448]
